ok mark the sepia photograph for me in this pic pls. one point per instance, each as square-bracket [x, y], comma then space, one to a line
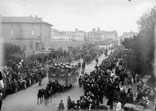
[77, 55]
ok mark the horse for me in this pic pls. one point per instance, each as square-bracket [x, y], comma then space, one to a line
[40, 96]
[50, 94]
[46, 96]
[49, 88]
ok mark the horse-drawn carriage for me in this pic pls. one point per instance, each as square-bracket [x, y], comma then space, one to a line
[65, 75]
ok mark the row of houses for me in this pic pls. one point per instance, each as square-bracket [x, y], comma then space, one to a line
[76, 35]
[101, 35]
[80, 35]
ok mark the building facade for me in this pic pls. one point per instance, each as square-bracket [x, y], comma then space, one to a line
[79, 35]
[105, 35]
[32, 34]
[61, 35]
[94, 35]
[76, 35]
[99, 35]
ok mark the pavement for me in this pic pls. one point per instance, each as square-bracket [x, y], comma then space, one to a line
[26, 100]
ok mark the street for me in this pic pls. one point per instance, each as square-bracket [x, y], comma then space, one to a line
[26, 100]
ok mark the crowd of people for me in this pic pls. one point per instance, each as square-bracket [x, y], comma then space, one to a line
[112, 80]
[19, 75]
[22, 75]
[59, 70]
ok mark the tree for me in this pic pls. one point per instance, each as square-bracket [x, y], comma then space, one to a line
[148, 19]
[147, 26]
[143, 45]
[12, 54]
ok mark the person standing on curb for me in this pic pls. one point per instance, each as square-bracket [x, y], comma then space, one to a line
[61, 106]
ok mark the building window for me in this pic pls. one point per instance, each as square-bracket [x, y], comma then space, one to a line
[32, 32]
[12, 32]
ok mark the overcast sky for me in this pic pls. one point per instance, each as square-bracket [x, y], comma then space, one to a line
[119, 15]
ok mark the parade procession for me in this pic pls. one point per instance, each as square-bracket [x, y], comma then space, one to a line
[78, 55]
[109, 81]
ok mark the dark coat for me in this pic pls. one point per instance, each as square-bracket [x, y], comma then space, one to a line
[61, 106]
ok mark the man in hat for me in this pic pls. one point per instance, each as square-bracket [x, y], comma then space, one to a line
[97, 61]
[80, 81]
[69, 102]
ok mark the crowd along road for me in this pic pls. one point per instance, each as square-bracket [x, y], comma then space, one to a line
[26, 100]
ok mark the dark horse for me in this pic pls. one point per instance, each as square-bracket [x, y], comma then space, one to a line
[40, 96]
[44, 95]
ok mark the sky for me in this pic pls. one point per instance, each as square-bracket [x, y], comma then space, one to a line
[109, 15]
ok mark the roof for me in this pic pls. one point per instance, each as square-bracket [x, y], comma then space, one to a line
[23, 20]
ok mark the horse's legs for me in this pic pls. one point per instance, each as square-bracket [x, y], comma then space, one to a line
[50, 98]
[41, 100]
